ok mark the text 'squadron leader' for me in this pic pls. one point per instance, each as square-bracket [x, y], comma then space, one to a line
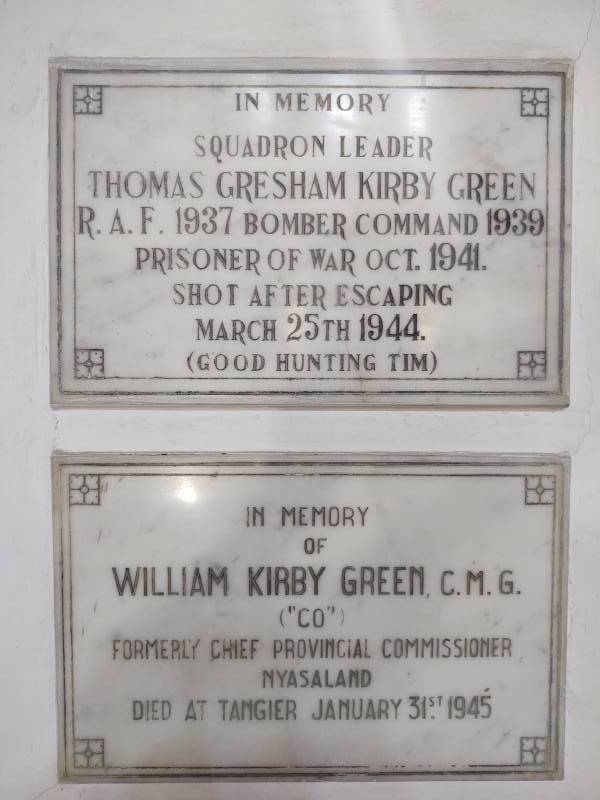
[310, 234]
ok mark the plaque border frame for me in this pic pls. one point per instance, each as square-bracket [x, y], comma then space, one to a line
[93, 464]
[402, 398]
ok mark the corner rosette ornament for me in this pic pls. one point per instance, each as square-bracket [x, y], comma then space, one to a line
[535, 102]
[87, 99]
[89, 363]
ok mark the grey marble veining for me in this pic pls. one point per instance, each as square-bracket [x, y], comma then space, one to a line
[315, 616]
[310, 235]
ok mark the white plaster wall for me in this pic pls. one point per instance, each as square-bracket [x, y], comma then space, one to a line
[31, 31]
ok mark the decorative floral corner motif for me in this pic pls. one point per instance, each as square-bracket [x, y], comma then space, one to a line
[531, 365]
[540, 490]
[535, 102]
[533, 750]
[84, 490]
[87, 99]
[88, 753]
[89, 363]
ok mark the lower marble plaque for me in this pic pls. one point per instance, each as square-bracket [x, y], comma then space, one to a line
[310, 616]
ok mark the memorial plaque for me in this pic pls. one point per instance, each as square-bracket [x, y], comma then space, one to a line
[310, 233]
[266, 616]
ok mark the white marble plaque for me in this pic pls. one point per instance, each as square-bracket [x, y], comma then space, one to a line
[270, 616]
[310, 233]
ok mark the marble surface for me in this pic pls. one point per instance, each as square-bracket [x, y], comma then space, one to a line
[30, 429]
[310, 233]
[272, 616]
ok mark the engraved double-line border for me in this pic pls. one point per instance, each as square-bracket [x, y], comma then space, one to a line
[545, 483]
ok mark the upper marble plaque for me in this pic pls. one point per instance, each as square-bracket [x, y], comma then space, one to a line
[310, 233]
[310, 616]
